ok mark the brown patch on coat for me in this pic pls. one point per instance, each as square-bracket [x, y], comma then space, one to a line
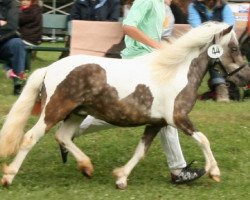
[149, 134]
[186, 99]
[85, 89]
[43, 96]
[40, 101]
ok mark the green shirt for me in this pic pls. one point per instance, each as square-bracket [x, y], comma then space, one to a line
[148, 16]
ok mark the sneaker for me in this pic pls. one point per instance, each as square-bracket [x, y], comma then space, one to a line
[17, 89]
[22, 76]
[187, 174]
[18, 85]
[10, 74]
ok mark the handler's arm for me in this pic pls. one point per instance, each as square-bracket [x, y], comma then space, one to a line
[138, 35]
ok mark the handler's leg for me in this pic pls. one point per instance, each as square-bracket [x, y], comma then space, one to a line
[91, 124]
[172, 149]
[180, 171]
[88, 125]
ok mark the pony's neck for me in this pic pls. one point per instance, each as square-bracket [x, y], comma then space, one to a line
[198, 69]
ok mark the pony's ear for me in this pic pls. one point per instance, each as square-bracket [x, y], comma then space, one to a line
[221, 34]
[227, 30]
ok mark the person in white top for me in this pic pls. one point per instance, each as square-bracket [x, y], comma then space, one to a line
[168, 25]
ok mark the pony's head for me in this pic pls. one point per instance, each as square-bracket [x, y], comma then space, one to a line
[226, 57]
[218, 43]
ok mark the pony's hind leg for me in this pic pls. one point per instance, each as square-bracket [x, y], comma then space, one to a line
[211, 167]
[122, 173]
[29, 140]
[64, 137]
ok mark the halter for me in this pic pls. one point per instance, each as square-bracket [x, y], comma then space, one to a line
[215, 52]
[226, 74]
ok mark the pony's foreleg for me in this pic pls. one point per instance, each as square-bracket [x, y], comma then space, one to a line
[29, 140]
[211, 165]
[122, 173]
[64, 137]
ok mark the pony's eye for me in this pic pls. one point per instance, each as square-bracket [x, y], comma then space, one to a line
[234, 49]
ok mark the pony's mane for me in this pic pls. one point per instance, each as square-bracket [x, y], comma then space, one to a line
[179, 51]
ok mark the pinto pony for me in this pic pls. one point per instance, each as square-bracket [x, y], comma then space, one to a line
[155, 90]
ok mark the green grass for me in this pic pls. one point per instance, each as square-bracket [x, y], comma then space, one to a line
[43, 176]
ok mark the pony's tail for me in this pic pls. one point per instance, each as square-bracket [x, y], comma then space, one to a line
[12, 131]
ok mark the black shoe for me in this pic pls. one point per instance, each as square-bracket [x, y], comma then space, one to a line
[18, 85]
[17, 90]
[187, 175]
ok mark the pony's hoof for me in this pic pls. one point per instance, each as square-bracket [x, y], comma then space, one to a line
[87, 173]
[215, 178]
[121, 185]
[121, 181]
[5, 182]
[86, 168]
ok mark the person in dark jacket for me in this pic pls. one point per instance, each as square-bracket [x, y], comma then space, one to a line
[179, 10]
[200, 11]
[12, 48]
[30, 22]
[96, 10]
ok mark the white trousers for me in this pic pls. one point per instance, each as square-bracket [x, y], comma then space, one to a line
[168, 135]
[172, 148]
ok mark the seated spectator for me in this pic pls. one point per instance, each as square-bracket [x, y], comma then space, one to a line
[12, 48]
[169, 21]
[247, 88]
[200, 11]
[248, 30]
[30, 22]
[94, 10]
[179, 9]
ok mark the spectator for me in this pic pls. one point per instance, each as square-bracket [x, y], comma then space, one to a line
[248, 31]
[200, 11]
[169, 22]
[12, 49]
[248, 23]
[179, 9]
[30, 22]
[96, 10]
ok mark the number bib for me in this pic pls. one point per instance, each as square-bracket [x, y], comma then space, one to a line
[215, 51]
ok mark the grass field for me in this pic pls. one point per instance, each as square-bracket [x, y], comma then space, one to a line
[44, 176]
